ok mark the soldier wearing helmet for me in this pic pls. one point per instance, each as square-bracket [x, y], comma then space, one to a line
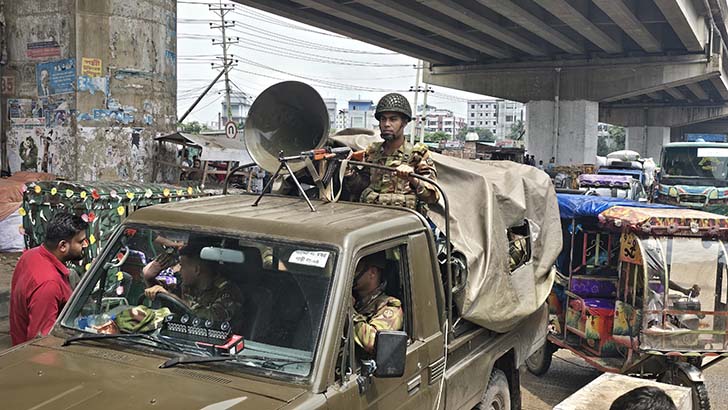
[400, 189]
[375, 310]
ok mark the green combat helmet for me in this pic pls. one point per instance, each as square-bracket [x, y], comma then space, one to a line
[394, 102]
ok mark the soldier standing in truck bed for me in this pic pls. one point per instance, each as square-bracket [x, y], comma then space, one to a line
[396, 188]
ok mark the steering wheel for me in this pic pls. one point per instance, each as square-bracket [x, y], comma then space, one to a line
[163, 299]
[123, 258]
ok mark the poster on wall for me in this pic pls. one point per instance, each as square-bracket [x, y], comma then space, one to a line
[7, 85]
[43, 49]
[91, 67]
[56, 111]
[24, 112]
[36, 149]
[56, 77]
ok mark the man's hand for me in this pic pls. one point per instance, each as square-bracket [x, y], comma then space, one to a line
[152, 292]
[695, 290]
[404, 170]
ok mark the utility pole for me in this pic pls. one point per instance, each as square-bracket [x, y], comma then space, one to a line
[416, 90]
[426, 89]
[222, 10]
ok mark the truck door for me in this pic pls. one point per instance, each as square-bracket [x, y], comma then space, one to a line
[410, 278]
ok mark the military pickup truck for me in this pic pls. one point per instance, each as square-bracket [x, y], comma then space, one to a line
[291, 346]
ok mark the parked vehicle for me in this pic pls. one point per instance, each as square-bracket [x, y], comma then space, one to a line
[642, 291]
[614, 186]
[694, 175]
[294, 260]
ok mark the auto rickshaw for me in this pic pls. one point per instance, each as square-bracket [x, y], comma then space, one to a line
[644, 292]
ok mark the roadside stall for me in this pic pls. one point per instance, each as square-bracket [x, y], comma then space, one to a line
[218, 156]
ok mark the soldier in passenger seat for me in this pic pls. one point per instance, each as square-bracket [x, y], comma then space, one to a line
[375, 310]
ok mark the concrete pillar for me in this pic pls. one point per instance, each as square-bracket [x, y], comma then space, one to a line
[577, 131]
[649, 146]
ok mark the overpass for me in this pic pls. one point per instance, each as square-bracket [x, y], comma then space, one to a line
[646, 64]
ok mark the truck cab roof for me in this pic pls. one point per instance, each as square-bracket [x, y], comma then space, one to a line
[284, 217]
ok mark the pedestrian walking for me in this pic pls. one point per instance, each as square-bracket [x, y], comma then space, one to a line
[40, 286]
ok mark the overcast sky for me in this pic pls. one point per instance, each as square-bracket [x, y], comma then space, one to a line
[272, 49]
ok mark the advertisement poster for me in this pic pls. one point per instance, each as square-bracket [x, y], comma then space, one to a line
[25, 112]
[43, 49]
[56, 77]
[91, 67]
[8, 85]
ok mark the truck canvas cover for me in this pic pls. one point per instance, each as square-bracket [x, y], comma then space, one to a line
[486, 198]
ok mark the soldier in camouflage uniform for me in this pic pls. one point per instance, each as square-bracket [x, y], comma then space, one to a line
[375, 310]
[387, 188]
[207, 293]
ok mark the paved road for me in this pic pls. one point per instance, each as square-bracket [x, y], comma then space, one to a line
[568, 374]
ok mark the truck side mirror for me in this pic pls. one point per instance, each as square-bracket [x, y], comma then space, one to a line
[391, 353]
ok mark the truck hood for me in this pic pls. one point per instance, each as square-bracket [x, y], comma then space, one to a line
[90, 375]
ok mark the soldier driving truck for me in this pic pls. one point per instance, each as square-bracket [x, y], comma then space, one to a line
[343, 304]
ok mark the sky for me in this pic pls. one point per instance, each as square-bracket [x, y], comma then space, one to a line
[272, 49]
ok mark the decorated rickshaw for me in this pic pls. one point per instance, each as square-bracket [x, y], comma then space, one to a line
[643, 291]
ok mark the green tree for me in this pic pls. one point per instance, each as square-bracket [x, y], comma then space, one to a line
[518, 129]
[193, 127]
[436, 136]
[614, 141]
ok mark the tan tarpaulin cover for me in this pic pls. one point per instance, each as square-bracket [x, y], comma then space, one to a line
[487, 197]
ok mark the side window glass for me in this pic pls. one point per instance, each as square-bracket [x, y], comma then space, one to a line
[380, 298]
[519, 245]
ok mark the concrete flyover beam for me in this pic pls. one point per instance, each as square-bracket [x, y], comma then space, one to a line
[721, 86]
[535, 25]
[698, 91]
[675, 93]
[660, 116]
[435, 25]
[346, 29]
[629, 23]
[594, 80]
[574, 19]
[388, 27]
[686, 21]
[483, 24]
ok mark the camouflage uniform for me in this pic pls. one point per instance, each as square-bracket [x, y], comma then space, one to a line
[375, 313]
[221, 301]
[386, 188]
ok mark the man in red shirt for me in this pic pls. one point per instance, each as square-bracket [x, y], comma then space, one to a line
[40, 286]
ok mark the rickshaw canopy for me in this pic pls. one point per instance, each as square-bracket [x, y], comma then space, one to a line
[671, 222]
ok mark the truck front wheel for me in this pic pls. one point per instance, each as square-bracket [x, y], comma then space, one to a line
[540, 361]
[497, 395]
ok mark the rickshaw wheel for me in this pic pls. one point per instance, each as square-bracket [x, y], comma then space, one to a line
[540, 361]
[701, 401]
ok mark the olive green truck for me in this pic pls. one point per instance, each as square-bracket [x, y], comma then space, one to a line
[295, 269]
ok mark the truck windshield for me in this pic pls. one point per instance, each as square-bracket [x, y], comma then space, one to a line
[696, 162]
[260, 302]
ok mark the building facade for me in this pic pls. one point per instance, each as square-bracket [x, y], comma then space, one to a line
[496, 115]
[443, 120]
[361, 114]
[240, 103]
[331, 108]
[342, 119]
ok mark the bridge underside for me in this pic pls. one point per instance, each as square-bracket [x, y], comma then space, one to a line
[645, 62]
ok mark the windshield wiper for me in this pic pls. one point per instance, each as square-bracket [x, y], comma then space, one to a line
[267, 362]
[132, 336]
